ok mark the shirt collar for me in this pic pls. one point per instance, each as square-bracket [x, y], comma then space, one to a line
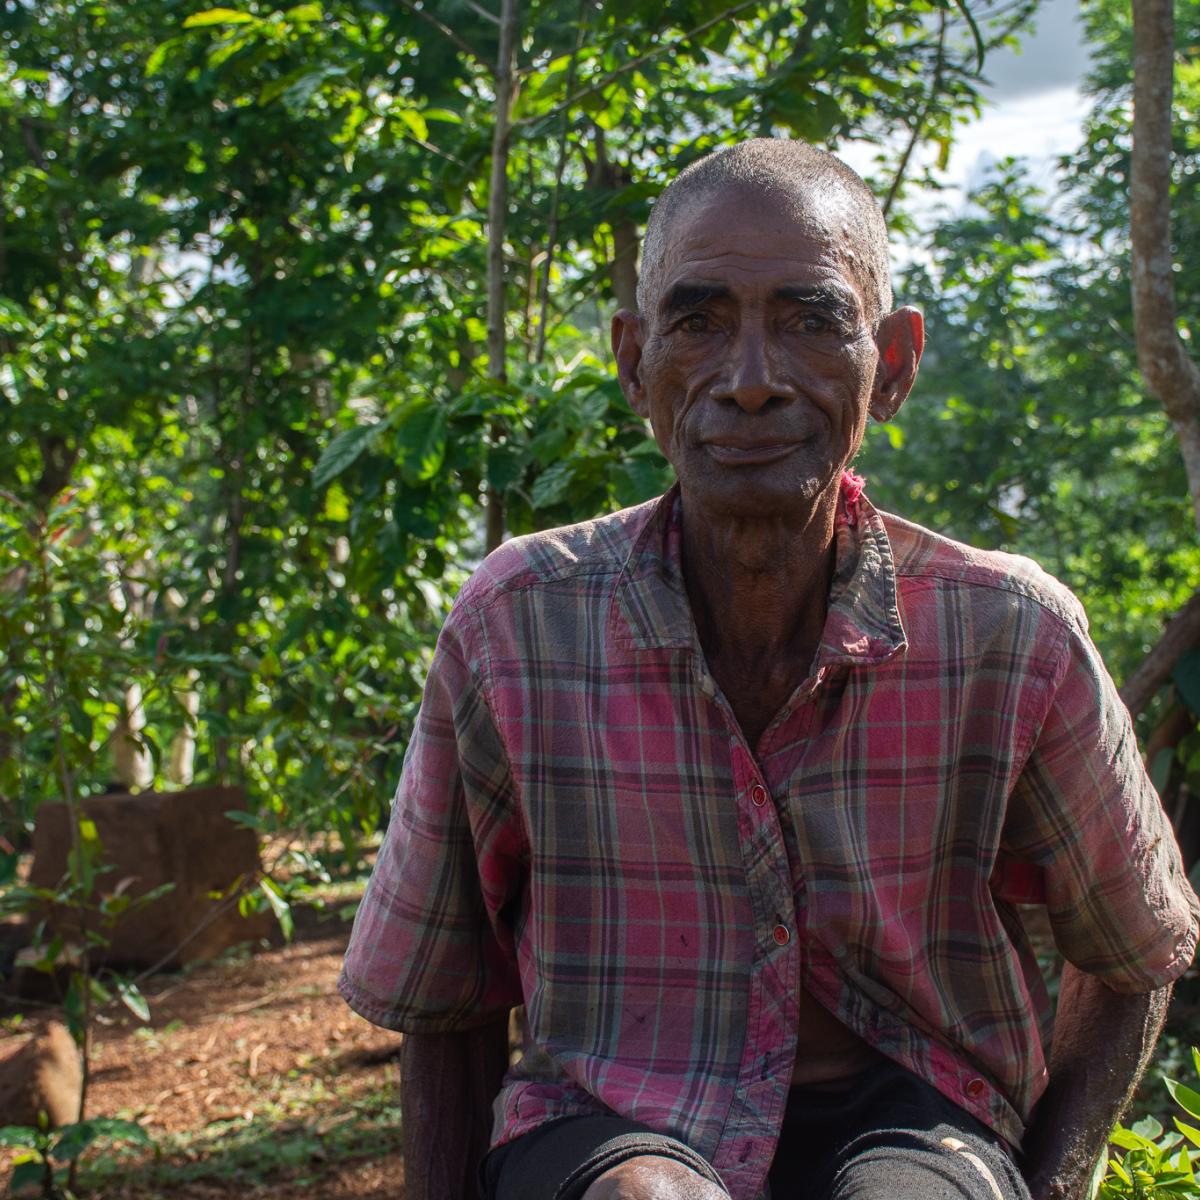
[650, 608]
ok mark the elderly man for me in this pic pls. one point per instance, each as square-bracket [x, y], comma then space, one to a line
[740, 792]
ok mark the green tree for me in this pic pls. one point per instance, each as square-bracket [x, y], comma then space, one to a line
[244, 276]
[1029, 430]
[1043, 423]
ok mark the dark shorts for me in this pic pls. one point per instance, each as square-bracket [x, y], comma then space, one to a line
[890, 1136]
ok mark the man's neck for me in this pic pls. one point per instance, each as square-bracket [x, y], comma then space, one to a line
[758, 589]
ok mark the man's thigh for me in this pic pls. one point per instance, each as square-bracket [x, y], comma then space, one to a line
[890, 1136]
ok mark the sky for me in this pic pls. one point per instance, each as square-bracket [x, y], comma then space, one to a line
[1034, 109]
[1037, 104]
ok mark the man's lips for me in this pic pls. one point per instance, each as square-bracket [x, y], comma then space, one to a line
[738, 454]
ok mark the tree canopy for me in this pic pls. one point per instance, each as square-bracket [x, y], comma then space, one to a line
[250, 424]
[256, 428]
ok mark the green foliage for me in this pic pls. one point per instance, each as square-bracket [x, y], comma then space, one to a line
[242, 314]
[1156, 1162]
[246, 433]
[1029, 430]
[38, 1150]
[246, 430]
[310, 1123]
[76, 639]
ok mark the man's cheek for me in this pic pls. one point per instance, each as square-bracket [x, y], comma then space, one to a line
[664, 359]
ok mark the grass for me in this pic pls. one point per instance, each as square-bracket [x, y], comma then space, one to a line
[292, 1135]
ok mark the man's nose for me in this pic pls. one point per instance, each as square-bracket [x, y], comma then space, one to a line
[755, 379]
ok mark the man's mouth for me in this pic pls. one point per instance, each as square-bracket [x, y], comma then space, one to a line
[746, 454]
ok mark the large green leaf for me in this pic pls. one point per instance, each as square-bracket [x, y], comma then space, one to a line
[553, 483]
[217, 16]
[1186, 677]
[20, 1136]
[344, 450]
[279, 906]
[1187, 1098]
[420, 432]
[26, 1175]
[73, 1140]
[131, 996]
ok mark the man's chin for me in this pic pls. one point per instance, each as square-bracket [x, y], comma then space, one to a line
[754, 495]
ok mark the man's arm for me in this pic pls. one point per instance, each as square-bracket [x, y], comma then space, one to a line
[1102, 1043]
[447, 1084]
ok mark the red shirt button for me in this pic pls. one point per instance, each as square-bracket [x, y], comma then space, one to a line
[975, 1088]
[758, 794]
[781, 935]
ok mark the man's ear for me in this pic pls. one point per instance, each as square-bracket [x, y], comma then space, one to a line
[627, 334]
[900, 340]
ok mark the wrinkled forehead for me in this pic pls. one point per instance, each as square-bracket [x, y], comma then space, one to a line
[786, 225]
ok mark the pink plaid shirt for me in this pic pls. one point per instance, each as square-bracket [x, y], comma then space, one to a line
[581, 827]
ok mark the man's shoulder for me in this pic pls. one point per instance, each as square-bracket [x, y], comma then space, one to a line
[922, 554]
[592, 552]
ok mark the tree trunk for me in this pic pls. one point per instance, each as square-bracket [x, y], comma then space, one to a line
[560, 166]
[497, 221]
[608, 176]
[1167, 368]
[132, 764]
[625, 263]
[58, 461]
[181, 763]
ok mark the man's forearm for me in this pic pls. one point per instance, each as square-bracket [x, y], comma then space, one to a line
[447, 1084]
[1102, 1042]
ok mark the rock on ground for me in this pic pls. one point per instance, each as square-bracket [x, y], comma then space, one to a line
[182, 839]
[43, 1075]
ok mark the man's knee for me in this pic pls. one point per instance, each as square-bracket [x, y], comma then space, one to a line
[599, 1158]
[650, 1177]
[911, 1165]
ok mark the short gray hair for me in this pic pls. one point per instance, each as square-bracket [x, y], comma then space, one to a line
[781, 168]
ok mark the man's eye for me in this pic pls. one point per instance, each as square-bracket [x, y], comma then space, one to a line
[815, 323]
[695, 323]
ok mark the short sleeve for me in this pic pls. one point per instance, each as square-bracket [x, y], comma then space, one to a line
[1085, 811]
[432, 949]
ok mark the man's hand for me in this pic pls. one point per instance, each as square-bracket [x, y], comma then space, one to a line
[649, 1177]
[1102, 1042]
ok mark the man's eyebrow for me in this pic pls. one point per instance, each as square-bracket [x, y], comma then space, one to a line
[686, 295]
[834, 301]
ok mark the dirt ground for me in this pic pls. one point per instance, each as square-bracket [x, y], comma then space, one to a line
[253, 1078]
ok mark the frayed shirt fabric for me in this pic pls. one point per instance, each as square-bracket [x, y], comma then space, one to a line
[582, 828]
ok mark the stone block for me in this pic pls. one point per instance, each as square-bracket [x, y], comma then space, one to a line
[148, 840]
[42, 1075]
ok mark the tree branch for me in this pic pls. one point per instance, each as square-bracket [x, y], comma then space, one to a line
[634, 63]
[919, 125]
[446, 31]
[479, 10]
[1182, 632]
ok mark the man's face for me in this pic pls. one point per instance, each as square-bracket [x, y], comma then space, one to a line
[755, 361]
